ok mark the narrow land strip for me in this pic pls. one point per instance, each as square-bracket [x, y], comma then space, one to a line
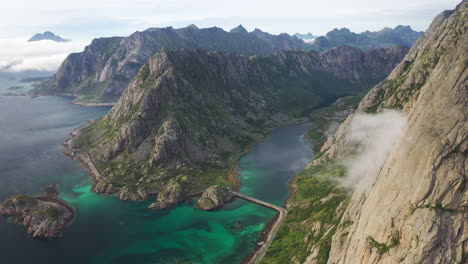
[260, 252]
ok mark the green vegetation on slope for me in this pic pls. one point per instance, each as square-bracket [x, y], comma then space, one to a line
[324, 117]
[314, 214]
[382, 247]
[317, 204]
[26, 199]
[51, 212]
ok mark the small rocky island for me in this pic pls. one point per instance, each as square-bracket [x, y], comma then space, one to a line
[44, 216]
[214, 197]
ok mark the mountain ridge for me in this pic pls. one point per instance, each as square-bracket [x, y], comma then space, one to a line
[105, 68]
[47, 36]
[178, 124]
[387, 37]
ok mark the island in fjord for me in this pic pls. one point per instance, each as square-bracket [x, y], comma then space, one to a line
[44, 216]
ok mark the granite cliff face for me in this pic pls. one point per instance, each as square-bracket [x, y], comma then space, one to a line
[190, 113]
[416, 210]
[415, 207]
[106, 67]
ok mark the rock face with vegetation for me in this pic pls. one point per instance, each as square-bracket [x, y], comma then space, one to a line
[414, 209]
[385, 38]
[190, 113]
[44, 216]
[107, 66]
[214, 197]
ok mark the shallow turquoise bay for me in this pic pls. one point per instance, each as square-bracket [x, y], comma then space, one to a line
[107, 230]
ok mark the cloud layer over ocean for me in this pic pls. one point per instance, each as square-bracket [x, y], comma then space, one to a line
[18, 55]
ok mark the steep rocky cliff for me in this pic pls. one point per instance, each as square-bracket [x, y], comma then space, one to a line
[190, 113]
[413, 207]
[106, 67]
[416, 210]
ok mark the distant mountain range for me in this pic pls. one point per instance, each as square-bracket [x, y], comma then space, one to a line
[47, 36]
[385, 38]
[307, 36]
[106, 67]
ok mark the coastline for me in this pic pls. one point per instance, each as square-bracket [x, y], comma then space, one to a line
[81, 158]
[249, 258]
[77, 99]
[258, 252]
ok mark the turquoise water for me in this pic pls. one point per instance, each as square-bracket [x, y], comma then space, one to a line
[107, 230]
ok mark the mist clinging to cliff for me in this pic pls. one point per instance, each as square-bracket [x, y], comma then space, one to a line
[375, 134]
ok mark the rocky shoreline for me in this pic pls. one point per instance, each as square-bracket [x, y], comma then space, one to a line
[172, 196]
[250, 258]
[44, 216]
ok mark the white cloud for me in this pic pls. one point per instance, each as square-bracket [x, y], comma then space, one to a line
[376, 135]
[19, 55]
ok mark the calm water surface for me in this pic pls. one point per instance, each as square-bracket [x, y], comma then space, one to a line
[107, 230]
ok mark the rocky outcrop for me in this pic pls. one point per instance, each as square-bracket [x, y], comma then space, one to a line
[44, 216]
[351, 63]
[173, 193]
[414, 210]
[214, 197]
[192, 112]
[107, 66]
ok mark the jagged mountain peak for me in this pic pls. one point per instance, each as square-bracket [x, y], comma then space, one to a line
[192, 26]
[239, 29]
[47, 35]
[106, 67]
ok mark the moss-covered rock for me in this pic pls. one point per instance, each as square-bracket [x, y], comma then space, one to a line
[43, 216]
[214, 197]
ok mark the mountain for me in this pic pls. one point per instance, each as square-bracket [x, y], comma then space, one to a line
[387, 37]
[105, 68]
[390, 186]
[307, 36]
[239, 29]
[47, 36]
[189, 114]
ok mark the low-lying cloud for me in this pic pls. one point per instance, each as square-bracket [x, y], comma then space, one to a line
[375, 134]
[18, 55]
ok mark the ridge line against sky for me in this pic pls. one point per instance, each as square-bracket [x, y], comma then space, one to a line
[87, 19]
[83, 20]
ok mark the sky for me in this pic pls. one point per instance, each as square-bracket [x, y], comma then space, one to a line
[84, 20]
